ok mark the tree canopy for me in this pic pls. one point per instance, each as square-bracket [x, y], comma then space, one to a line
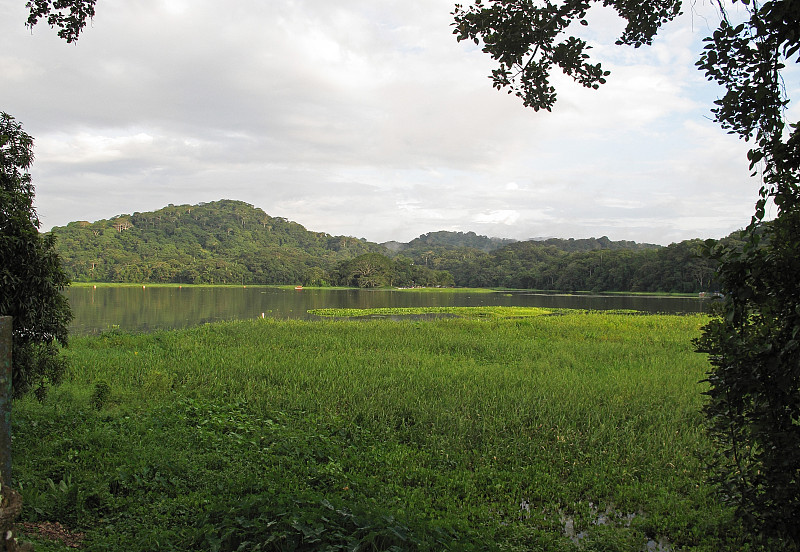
[30, 270]
[233, 242]
[754, 407]
[219, 242]
[31, 277]
[68, 16]
[528, 38]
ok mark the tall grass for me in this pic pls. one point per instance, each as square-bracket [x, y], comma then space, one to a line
[492, 433]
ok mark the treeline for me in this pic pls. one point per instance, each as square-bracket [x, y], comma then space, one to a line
[232, 242]
[679, 267]
[376, 270]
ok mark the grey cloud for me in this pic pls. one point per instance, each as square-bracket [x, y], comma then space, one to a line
[357, 118]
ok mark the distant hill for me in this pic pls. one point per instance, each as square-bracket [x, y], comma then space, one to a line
[455, 240]
[450, 240]
[223, 241]
[232, 242]
[450, 250]
[593, 244]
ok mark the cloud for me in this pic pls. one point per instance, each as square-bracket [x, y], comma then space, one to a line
[85, 148]
[365, 119]
[502, 216]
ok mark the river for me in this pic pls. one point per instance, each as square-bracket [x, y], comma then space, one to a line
[147, 308]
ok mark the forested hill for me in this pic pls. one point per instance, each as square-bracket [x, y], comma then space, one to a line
[593, 244]
[232, 242]
[680, 267]
[592, 264]
[449, 240]
[218, 242]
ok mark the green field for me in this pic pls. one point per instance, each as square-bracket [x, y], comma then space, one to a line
[517, 431]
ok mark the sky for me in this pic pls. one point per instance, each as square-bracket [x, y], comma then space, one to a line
[367, 119]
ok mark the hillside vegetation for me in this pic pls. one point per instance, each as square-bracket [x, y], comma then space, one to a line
[220, 242]
[450, 240]
[232, 242]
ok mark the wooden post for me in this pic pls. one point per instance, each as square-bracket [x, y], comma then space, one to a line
[5, 400]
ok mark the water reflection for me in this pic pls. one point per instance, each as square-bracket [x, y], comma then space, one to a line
[147, 308]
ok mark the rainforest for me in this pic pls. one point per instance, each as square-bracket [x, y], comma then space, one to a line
[232, 242]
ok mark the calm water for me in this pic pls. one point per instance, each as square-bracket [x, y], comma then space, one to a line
[150, 308]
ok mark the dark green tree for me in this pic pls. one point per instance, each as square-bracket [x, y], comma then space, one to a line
[31, 278]
[753, 410]
[369, 270]
[69, 16]
[527, 39]
[754, 406]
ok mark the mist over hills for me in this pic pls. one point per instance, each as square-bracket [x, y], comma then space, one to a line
[232, 242]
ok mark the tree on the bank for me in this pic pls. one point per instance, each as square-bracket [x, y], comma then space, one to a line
[31, 278]
[375, 270]
[753, 410]
[367, 271]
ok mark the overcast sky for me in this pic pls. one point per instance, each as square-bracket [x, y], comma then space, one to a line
[369, 119]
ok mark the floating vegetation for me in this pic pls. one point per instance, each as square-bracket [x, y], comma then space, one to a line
[466, 312]
[502, 429]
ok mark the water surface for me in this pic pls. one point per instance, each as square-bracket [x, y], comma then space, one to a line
[137, 308]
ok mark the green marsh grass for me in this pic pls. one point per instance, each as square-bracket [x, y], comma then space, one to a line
[470, 312]
[491, 432]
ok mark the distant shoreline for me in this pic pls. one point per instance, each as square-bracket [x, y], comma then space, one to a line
[399, 289]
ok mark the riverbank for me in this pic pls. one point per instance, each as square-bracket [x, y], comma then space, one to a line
[573, 432]
[194, 286]
[413, 289]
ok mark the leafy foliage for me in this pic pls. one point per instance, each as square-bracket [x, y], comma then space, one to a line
[31, 277]
[376, 270]
[527, 40]
[221, 242]
[451, 239]
[69, 16]
[748, 60]
[572, 265]
[754, 405]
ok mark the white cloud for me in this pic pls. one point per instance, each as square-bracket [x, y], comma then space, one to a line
[621, 203]
[365, 119]
[83, 147]
[503, 216]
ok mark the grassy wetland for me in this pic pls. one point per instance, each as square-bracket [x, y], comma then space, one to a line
[492, 429]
